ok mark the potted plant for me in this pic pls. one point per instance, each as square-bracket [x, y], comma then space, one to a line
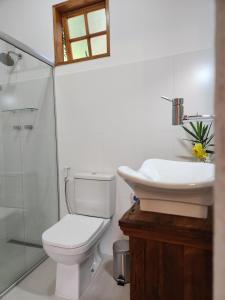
[201, 139]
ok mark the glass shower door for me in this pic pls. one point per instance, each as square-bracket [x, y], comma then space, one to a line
[28, 164]
[11, 201]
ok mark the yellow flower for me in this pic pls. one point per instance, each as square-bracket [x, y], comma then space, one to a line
[199, 151]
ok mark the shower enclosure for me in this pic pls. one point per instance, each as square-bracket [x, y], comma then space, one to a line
[28, 159]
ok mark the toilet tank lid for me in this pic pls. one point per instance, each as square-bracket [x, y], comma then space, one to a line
[95, 176]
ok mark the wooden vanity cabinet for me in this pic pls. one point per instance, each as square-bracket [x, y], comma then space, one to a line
[171, 256]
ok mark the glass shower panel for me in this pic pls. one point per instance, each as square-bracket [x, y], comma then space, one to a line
[28, 163]
[11, 197]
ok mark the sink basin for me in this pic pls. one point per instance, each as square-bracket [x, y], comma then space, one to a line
[172, 187]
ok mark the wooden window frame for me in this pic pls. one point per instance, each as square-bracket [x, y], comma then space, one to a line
[72, 8]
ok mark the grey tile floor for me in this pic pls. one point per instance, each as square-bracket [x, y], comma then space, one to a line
[15, 260]
[40, 284]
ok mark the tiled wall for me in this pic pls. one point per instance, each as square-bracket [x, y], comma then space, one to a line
[114, 116]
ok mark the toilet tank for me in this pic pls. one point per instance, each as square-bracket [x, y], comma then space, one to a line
[95, 194]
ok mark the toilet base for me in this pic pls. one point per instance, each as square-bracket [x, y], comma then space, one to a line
[67, 281]
[72, 280]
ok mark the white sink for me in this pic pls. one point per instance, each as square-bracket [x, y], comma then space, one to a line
[172, 187]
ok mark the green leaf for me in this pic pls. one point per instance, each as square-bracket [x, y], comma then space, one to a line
[197, 125]
[209, 139]
[204, 130]
[194, 128]
[201, 127]
[191, 133]
[210, 151]
[193, 141]
[209, 130]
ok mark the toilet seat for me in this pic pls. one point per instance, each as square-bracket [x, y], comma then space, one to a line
[72, 231]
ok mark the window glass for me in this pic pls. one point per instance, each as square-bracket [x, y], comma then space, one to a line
[65, 53]
[76, 26]
[64, 47]
[97, 21]
[81, 30]
[99, 45]
[80, 49]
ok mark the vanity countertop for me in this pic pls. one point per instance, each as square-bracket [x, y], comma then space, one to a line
[177, 229]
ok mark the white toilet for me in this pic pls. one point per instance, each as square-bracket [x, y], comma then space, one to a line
[73, 241]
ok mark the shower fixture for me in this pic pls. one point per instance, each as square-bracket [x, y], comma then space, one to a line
[28, 126]
[6, 58]
[178, 117]
[17, 127]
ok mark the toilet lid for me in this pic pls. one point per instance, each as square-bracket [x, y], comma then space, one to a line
[72, 231]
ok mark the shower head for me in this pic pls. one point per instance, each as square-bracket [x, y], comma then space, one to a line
[6, 59]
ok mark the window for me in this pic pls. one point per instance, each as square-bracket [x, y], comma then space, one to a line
[81, 31]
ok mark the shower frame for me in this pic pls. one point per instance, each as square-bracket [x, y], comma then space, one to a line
[13, 42]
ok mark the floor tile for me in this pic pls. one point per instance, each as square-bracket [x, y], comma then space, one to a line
[40, 285]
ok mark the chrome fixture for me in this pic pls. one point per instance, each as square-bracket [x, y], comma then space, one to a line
[29, 127]
[66, 181]
[177, 110]
[17, 127]
[178, 117]
[7, 59]
[20, 46]
[14, 110]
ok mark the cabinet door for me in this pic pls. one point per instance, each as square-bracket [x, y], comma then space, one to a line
[163, 271]
[137, 272]
[198, 274]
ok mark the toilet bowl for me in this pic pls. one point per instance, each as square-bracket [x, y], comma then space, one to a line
[73, 244]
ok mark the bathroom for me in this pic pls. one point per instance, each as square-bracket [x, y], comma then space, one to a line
[61, 118]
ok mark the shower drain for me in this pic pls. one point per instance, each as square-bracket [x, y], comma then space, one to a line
[21, 243]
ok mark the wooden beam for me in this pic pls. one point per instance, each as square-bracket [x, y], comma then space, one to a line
[58, 41]
[73, 5]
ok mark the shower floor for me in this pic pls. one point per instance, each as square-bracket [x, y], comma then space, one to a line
[15, 260]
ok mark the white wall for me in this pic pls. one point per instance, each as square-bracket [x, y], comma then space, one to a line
[139, 29]
[114, 116]
[109, 110]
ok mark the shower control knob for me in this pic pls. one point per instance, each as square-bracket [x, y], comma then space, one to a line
[29, 127]
[17, 127]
